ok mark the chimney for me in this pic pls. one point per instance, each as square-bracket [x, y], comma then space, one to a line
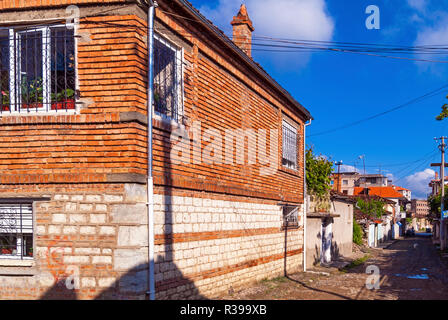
[242, 30]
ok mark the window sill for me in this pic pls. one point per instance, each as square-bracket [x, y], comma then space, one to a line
[37, 113]
[16, 263]
[165, 123]
[13, 267]
[294, 172]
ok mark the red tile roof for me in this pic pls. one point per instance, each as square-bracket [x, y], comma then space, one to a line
[384, 192]
[400, 188]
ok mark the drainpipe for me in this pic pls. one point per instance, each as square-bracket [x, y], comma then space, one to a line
[305, 195]
[150, 183]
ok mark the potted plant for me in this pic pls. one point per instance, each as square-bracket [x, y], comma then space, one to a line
[5, 250]
[64, 99]
[5, 101]
[32, 93]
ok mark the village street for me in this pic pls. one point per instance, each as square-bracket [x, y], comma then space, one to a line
[409, 269]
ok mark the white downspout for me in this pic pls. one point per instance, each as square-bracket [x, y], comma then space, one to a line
[150, 183]
[305, 196]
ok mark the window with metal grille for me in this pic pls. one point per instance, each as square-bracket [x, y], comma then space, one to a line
[290, 217]
[37, 69]
[168, 84]
[289, 146]
[16, 231]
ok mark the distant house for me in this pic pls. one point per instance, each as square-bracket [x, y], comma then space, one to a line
[372, 180]
[389, 193]
[405, 192]
[329, 234]
[344, 182]
[420, 212]
[393, 223]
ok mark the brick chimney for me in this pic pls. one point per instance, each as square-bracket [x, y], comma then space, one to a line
[242, 30]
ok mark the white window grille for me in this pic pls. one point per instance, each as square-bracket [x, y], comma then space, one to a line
[168, 79]
[290, 217]
[37, 69]
[16, 231]
[289, 146]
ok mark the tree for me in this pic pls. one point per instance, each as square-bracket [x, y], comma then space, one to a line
[358, 234]
[434, 205]
[372, 207]
[444, 113]
[318, 178]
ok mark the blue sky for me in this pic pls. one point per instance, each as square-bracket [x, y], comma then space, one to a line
[339, 88]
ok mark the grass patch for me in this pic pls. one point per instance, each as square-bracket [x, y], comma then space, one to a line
[272, 284]
[356, 263]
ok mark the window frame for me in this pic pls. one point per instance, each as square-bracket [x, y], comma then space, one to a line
[289, 126]
[10, 258]
[179, 83]
[290, 211]
[14, 60]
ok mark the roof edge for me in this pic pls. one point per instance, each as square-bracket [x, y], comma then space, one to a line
[244, 57]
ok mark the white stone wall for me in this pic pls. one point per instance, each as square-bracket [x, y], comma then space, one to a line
[190, 218]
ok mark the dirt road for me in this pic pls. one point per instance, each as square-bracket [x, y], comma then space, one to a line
[408, 269]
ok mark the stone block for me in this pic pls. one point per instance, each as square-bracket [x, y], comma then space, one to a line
[125, 213]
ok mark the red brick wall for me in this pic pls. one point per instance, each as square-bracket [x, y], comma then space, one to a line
[81, 154]
[223, 94]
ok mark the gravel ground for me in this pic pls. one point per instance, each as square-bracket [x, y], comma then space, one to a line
[409, 269]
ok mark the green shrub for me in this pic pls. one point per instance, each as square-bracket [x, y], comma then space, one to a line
[357, 233]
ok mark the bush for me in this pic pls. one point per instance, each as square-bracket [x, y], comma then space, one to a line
[357, 233]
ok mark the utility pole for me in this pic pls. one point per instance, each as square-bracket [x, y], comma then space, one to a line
[442, 148]
[339, 164]
[364, 164]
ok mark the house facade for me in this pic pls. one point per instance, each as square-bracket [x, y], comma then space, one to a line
[80, 217]
[419, 214]
[344, 182]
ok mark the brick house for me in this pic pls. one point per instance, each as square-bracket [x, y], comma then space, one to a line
[74, 217]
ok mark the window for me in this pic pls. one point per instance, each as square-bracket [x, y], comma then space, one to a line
[290, 217]
[289, 156]
[37, 69]
[345, 182]
[16, 231]
[168, 84]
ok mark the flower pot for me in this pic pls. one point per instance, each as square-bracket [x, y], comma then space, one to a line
[35, 105]
[5, 107]
[68, 104]
[6, 251]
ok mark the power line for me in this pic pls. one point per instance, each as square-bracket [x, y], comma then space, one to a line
[351, 124]
[420, 165]
[316, 46]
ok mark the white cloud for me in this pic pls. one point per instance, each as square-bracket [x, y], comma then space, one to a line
[437, 35]
[418, 182]
[419, 5]
[295, 19]
[390, 176]
[347, 168]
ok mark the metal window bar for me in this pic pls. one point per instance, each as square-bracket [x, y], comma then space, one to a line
[168, 79]
[290, 217]
[16, 231]
[37, 69]
[289, 154]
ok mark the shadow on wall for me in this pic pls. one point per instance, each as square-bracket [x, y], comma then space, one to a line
[133, 285]
[59, 291]
[334, 249]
